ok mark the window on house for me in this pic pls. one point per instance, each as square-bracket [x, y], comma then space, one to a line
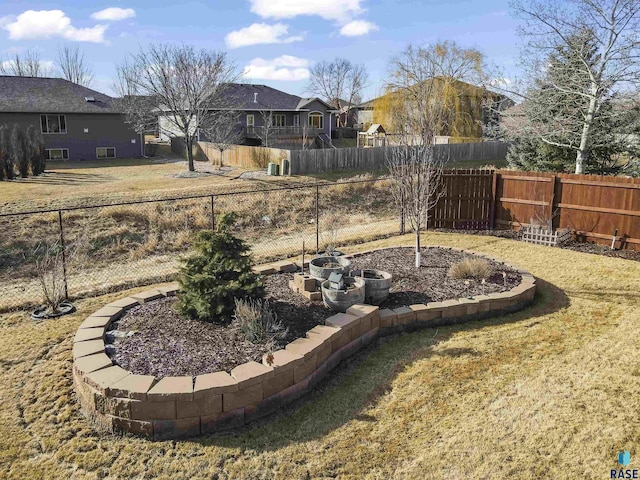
[316, 120]
[296, 120]
[57, 153]
[106, 152]
[251, 120]
[279, 120]
[53, 123]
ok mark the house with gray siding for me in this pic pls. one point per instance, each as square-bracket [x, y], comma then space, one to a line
[289, 118]
[77, 123]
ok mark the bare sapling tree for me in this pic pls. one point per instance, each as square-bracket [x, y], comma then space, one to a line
[424, 89]
[183, 85]
[265, 131]
[27, 64]
[50, 272]
[600, 39]
[339, 83]
[74, 67]
[223, 132]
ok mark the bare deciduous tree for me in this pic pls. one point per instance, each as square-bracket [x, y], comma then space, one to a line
[601, 36]
[224, 132]
[424, 87]
[265, 131]
[73, 66]
[338, 81]
[27, 64]
[184, 85]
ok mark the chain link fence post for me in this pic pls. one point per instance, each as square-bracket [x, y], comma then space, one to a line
[213, 214]
[317, 219]
[64, 256]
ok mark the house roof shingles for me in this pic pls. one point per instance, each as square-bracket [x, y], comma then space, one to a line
[51, 95]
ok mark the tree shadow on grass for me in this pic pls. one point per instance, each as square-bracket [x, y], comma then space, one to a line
[362, 379]
[66, 179]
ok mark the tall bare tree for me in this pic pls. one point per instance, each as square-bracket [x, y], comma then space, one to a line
[184, 85]
[606, 62]
[73, 66]
[27, 64]
[424, 87]
[337, 82]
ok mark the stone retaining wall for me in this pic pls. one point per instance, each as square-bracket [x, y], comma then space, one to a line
[178, 407]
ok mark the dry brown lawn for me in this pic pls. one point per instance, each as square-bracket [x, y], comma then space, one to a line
[549, 392]
[72, 184]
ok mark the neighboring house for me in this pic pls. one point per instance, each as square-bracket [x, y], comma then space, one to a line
[77, 123]
[263, 111]
[346, 115]
[470, 117]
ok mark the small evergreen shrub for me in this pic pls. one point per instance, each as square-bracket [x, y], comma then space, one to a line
[258, 322]
[475, 268]
[216, 274]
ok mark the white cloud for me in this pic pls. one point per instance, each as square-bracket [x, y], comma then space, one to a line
[357, 28]
[113, 14]
[260, 33]
[43, 24]
[337, 10]
[285, 68]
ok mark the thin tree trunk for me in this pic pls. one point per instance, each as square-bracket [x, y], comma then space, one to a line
[583, 152]
[418, 253]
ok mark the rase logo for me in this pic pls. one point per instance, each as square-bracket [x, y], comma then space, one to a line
[624, 459]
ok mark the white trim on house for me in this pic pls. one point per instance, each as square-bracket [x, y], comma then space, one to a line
[45, 117]
[253, 120]
[316, 114]
[106, 149]
[61, 150]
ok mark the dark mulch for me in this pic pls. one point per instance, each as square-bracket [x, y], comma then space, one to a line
[584, 247]
[165, 344]
[430, 283]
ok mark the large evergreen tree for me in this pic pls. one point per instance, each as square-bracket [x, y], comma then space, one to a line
[553, 129]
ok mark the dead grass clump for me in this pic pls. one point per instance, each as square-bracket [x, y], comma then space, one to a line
[476, 268]
[125, 214]
[258, 322]
[260, 157]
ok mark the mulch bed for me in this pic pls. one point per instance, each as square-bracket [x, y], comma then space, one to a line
[166, 344]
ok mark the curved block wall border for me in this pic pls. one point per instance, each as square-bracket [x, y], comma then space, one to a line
[178, 407]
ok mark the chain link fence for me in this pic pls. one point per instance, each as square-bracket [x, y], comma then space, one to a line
[97, 249]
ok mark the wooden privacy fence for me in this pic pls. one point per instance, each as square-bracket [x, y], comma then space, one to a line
[592, 206]
[323, 160]
[241, 155]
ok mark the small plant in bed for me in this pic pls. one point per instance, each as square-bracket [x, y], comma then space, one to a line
[259, 322]
[471, 268]
[216, 275]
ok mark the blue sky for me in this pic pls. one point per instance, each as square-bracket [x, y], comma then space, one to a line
[273, 42]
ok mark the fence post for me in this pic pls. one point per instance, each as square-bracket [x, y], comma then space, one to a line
[317, 219]
[213, 215]
[64, 257]
[552, 202]
[493, 205]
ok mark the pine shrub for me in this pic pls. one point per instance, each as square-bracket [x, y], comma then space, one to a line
[6, 159]
[218, 272]
[19, 151]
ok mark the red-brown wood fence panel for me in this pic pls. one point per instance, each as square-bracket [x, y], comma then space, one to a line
[593, 206]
